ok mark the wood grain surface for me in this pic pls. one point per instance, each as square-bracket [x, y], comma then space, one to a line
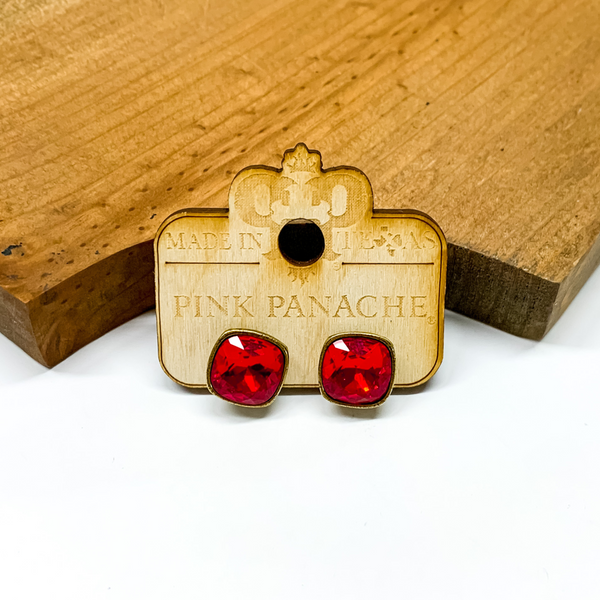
[482, 113]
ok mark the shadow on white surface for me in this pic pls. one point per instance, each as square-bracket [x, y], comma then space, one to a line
[579, 325]
[16, 365]
[130, 349]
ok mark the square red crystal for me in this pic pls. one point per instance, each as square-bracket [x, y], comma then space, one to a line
[356, 370]
[247, 369]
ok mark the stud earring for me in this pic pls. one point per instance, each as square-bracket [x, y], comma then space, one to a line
[247, 368]
[357, 370]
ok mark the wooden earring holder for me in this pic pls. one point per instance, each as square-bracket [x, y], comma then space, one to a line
[347, 268]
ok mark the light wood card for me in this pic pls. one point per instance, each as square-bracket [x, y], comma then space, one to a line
[379, 272]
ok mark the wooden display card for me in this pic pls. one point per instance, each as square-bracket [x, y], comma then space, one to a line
[300, 256]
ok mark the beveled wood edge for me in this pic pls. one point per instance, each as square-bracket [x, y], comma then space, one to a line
[179, 214]
[15, 312]
[571, 285]
[417, 214]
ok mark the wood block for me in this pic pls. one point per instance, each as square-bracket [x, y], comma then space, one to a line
[252, 268]
[482, 113]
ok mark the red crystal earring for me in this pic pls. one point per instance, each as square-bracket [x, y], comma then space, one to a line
[357, 369]
[247, 368]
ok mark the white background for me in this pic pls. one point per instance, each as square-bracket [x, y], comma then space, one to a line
[117, 483]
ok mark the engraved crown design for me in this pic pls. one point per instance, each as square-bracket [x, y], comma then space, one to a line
[301, 159]
[336, 198]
